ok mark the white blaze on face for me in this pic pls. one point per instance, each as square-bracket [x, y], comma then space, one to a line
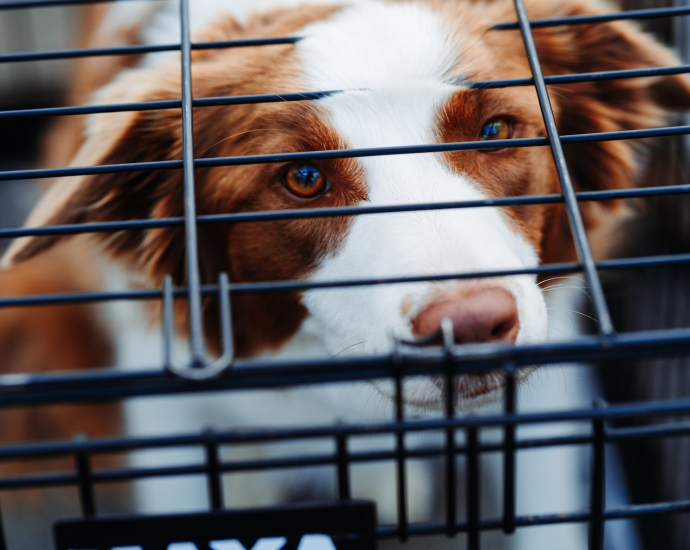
[396, 58]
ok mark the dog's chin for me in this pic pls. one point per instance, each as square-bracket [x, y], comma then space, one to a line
[471, 391]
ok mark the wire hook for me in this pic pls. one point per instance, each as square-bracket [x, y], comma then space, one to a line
[205, 370]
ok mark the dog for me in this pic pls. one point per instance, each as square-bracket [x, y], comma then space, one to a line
[402, 69]
[400, 74]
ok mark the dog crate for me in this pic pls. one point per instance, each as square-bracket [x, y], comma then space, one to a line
[345, 522]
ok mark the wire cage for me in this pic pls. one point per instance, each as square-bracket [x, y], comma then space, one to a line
[197, 374]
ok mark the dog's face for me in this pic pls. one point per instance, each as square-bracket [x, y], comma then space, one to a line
[402, 70]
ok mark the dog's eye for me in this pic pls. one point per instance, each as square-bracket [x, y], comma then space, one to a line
[496, 128]
[305, 181]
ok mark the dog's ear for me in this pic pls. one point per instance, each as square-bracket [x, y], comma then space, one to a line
[117, 138]
[605, 105]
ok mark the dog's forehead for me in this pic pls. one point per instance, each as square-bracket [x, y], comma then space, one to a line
[393, 63]
[376, 45]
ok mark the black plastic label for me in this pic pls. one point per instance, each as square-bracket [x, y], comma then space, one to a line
[341, 526]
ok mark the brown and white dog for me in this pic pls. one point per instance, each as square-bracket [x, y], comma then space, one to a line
[402, 68]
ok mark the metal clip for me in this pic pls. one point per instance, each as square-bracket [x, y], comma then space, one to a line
[206, 370]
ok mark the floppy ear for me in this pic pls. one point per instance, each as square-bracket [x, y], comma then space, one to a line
[605, 105]
[115, 138]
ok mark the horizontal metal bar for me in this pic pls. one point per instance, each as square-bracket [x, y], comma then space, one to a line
[631, 511]
[275, 215]
[612, 514]
[294, 286]
[84, 297]
[90, 170]
[139, 49]
[651, 13]
[44, 450]
[22, 57]
[25, 4]
[38, 481]
[246, 43]
[108, 384]
[311, 96]
[679, 429]
[341, 153]
[577, 78]
[92, 109]
[161, 105]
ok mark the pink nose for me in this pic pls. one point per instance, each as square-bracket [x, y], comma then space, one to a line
[487, 314]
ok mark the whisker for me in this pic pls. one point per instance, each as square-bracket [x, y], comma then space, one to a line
[555, 278]
[267, 88]
[235, 135]
[571, 311]
[348, 347]
[557, 286]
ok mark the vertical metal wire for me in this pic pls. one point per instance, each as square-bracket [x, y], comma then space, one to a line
[473, 475]
[215, 489]
[577, 226]
[86, 495]
[451, 470]
[193, 276]
[3, 541]
[598, 483]
[343, 468]
[509, 454]
[168, 321]
[396, 361]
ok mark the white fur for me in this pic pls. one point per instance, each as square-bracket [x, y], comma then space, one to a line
[397, 58]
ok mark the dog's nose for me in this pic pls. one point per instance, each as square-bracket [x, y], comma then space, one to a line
[487, 314]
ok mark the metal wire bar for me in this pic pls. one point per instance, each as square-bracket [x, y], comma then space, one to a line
[449, 406]
[401, 470]
[43, 450]
[577, 226]
[650, 13]
[212, 470]
[472, 475]
[139, 49]
[84, 479]
[597, 484]
[191, 240]
[168, 104]
[343, 468]
[109, 384]
[288, 286]
[275, 215]
[263, 464]
[52, 450]
[310, 96]
[509, 455]
[633, 511]
[23, 57]
[25, 4]
[3, 539]
[341, 153]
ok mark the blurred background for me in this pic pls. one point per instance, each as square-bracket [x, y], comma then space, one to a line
[649, 471]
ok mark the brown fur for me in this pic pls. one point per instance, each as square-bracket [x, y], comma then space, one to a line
[53, 338]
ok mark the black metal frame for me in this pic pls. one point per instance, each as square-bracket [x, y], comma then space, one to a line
[448, 360]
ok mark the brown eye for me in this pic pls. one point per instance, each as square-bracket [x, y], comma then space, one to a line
[305, 181]
[495, 129]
